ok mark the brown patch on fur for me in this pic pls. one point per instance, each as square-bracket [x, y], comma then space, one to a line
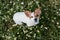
[28, 14]
[37, 12]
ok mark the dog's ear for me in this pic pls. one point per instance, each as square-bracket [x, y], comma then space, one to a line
[37, 12]
[28, 13]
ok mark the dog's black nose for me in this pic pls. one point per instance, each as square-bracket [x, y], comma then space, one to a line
[35, 19]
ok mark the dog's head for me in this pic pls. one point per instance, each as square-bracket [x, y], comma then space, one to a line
[37, 13]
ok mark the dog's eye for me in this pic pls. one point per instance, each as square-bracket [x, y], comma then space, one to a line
[36, 15]
[31, 16]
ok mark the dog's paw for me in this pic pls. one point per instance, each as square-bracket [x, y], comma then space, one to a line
[14, 25]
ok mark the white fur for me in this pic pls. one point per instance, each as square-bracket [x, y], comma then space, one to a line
[20, 18]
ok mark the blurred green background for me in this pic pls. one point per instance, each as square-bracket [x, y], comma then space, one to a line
[47, 29]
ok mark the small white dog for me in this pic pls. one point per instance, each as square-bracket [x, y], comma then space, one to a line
[30, 18]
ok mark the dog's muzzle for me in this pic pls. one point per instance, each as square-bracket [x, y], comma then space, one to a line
[35, 19]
